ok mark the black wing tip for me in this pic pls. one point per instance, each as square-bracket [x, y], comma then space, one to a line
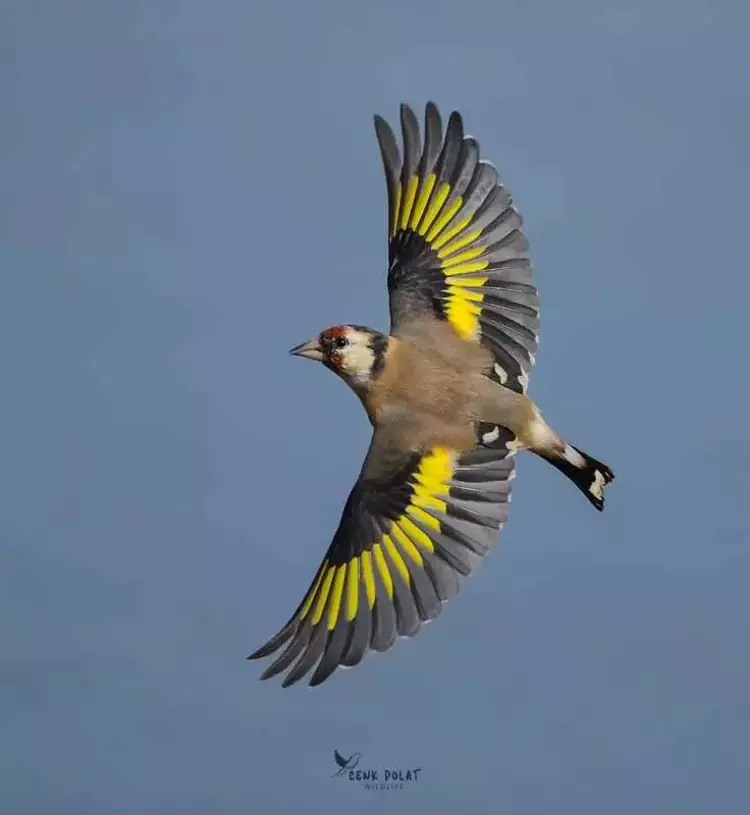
[293, 677]
[406, 110]
[275, 642]
[383, 129]
[433, 118]
[456, 120]
[263, 651]
[298, 672]
[431, 109]
[410, 122]
[315, 681]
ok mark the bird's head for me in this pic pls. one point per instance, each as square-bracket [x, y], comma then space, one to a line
[353, 352]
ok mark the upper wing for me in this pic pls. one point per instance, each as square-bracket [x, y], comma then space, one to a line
[402, 541]
[456, 245]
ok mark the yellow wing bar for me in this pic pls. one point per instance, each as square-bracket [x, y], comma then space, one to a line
[388, 571]
[456, 237]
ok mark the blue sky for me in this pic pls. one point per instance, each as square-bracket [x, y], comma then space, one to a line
[189, 189]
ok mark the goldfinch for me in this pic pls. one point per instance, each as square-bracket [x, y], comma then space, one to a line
[445, 392]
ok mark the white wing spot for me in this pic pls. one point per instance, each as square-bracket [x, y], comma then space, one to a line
[523, 381]
[513, 446]
[597, 487]
[491, 435]
[502, 374]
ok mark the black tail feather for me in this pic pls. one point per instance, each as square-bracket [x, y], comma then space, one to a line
[588, 474]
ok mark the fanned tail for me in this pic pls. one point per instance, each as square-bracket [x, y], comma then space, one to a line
[588, 474]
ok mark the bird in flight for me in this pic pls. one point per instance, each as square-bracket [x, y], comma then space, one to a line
[445, 392]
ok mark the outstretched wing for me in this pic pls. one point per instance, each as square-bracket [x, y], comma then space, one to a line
[402, 542]
[456, 245]
[339, 759]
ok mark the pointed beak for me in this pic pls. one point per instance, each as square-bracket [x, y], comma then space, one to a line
[309, 350]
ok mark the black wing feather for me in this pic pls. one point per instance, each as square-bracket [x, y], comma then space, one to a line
[456, 242]
[403, 541]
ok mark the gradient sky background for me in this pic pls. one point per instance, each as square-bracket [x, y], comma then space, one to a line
[188, 189]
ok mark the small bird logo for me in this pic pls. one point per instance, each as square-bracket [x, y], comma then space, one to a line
[345, 763]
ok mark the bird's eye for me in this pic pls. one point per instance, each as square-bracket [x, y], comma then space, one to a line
[341, 342]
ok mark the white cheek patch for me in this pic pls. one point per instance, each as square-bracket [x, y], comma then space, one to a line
[501, 374]
[597, 487]
[358, 360]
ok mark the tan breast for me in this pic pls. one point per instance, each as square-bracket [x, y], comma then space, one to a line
[430, 381]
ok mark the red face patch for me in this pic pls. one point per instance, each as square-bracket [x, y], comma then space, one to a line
[332, 340]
